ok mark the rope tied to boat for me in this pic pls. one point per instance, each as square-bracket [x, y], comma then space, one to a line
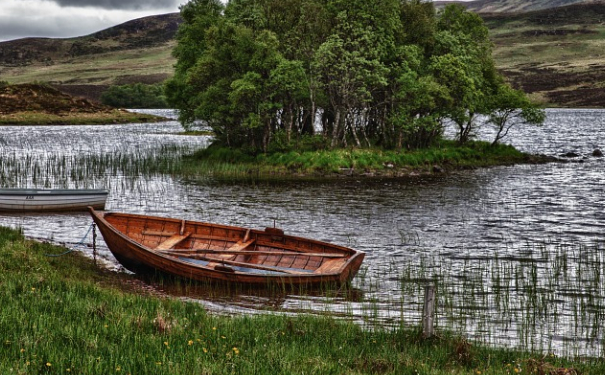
[79, 244]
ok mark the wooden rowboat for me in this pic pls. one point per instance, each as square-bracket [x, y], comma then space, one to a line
[213, 252]
[51, 199]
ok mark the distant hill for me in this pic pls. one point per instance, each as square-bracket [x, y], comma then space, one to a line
[136, 34]
[135, 51]
[555, 53]
[511, 6]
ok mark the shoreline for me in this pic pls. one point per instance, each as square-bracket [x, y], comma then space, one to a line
[448, 157]
[126, 318]
[112, 117]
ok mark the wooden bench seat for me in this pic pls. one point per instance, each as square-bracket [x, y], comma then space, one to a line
[241, 245]
[172, 241]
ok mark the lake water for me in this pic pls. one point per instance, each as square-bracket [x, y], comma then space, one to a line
[516, 252]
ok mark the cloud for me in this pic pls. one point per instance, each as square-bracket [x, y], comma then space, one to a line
[48, 18]
[120, 4]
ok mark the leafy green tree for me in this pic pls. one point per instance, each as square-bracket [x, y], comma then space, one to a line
[510, 107]
[462, 63]
[350, 69]
[413, 98]
[198, 16]
[136, 95]
[289, 83]
[418, 23]
[226, 61]
[376, 72]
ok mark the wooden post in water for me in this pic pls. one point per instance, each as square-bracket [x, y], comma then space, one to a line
[94, 242]
[428, 312]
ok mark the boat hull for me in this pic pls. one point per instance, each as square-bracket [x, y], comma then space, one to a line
[51, 199]
[212, 252]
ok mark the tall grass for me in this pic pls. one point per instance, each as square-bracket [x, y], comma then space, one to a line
[46, 169]
[550, 299]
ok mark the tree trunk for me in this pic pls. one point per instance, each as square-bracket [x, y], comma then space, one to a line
[289, 123]
[335, 129]
[267, 136]
[399, 139]
[351, 123]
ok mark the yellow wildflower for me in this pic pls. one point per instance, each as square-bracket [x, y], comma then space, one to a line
[190, 342]
[235, 350]
[48, 364]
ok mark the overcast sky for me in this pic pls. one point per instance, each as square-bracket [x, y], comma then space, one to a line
[71, 18]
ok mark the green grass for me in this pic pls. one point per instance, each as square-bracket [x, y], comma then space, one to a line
[64, 315]
[100, 69]
[223, 162]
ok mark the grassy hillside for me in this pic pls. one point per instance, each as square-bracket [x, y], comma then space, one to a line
[136, 51]
[555, 54]
[511, 6]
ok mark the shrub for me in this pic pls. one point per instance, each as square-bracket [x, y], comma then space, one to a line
[136, 95]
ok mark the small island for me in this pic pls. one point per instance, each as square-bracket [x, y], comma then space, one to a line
[40, 104]
[343, 97]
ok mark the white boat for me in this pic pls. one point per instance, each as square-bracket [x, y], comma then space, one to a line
[52, 199]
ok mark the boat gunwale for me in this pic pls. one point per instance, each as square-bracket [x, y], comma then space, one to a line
[52, 192]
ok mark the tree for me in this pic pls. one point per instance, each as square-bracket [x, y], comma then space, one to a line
[136, 95]
[510, 107]
[198, 16]
[463, 65]
[413, 101]
[350, 69]
[373, 72]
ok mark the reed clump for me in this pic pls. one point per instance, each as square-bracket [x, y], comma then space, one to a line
[65, 315]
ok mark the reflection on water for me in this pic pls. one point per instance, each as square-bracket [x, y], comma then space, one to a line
[516, 252]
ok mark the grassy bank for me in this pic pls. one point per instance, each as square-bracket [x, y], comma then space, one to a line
[447, 156]
[42, 104]
[99, 118]
[64, 315]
